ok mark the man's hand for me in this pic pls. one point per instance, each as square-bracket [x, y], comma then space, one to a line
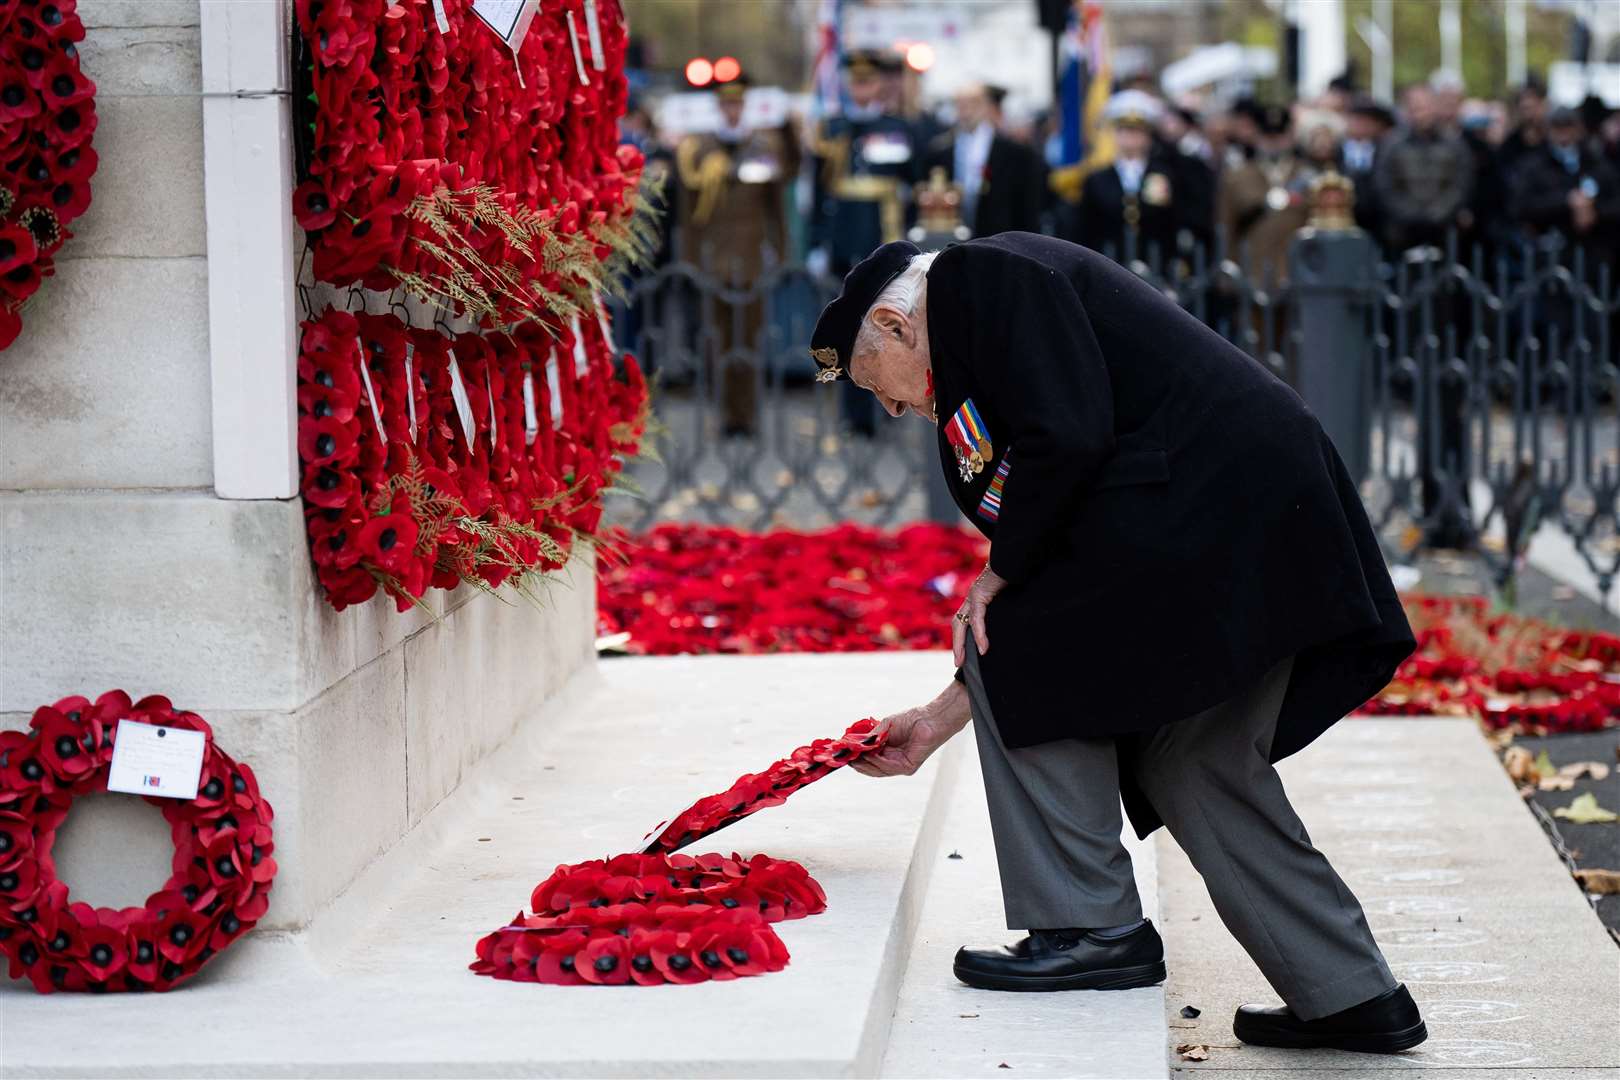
[971, 614]
[916, 733]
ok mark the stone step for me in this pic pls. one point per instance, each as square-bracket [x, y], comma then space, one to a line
[378, 983]
[945, 1028]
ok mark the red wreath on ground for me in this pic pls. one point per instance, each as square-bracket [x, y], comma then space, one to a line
[658, 916]
[47, 116]
[223, 868]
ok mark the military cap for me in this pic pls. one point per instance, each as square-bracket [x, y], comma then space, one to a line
[834, 335]
[1133, 108]
[1273, 120]
[861, 63]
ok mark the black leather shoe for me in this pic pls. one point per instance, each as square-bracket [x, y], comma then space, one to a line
[1386, 1024]
[1066, 960]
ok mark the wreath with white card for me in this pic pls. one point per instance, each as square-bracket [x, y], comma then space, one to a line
[222, 866]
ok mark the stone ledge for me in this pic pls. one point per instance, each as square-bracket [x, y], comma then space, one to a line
[630, 749]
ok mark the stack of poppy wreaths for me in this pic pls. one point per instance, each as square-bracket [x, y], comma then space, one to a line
[491, 185]
[47, 117]
[658, 916]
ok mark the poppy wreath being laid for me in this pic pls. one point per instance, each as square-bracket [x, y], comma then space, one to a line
[222, 869]
[399, 496]
[753, 792]
[652, 919]
[47, 116]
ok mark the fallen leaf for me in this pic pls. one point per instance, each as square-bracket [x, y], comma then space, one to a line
[1603, 882]
[1544, 766]
[1004, 1065]
[968, 1016]
[1557, 783]
[954, 855]
[1575, 770]
[1193, 1052]
[1585, 811]
[1518, 763]
[1190, 1011]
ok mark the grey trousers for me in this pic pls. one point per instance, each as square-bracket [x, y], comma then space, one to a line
[1055, 813]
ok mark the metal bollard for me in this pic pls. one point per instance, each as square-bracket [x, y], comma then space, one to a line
[1332, 270]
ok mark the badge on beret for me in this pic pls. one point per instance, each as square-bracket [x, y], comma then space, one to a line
[970, 439]
[827, 358]
[1156, 189]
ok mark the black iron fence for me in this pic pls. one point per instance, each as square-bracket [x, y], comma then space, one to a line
[1475, 396]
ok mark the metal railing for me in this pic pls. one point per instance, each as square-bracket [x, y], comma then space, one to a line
[1474, 399]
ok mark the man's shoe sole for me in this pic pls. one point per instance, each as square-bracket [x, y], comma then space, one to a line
[1126, 978]
[1378, 1042]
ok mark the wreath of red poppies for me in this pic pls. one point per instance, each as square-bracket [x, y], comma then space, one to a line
[431, 459]
[652, 919]
[658, 916]
[754, 792]
[1505, 670]
[220, 886]
[47, 116]
[405, 107]
[399, 495]
[704, 589]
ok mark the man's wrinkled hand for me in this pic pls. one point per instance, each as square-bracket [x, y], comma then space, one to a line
[917, 733]
[971, 614]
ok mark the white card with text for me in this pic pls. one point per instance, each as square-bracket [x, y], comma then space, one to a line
[149, 759]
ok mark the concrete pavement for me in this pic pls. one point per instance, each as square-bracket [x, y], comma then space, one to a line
[1474, 911]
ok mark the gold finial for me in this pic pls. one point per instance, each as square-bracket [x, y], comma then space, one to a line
[1332, 198]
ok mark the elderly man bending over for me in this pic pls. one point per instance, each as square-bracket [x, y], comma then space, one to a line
[1183, 588]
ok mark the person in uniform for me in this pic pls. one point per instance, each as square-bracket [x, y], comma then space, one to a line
[865, 163]
[732, 218]
[1002, 181]
[1128, 210]
[1265, 200]
[1153, 621]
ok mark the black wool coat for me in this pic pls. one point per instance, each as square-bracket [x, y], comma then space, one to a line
[1171, 518]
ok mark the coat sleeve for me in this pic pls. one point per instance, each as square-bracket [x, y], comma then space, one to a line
[1031, 354]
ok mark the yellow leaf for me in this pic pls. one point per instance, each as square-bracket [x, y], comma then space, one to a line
[1193, 1052]
[1585, 811]
[1544, 765]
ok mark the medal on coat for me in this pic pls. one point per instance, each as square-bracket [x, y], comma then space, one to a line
[970, 439]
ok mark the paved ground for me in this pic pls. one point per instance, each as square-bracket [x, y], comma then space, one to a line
[1566, 597]
[945, 1028]
[1473, 909]
[380, 986]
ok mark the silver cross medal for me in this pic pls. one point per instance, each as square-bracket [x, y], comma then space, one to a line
[964, 466]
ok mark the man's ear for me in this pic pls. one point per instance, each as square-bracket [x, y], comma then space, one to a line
[892, 322]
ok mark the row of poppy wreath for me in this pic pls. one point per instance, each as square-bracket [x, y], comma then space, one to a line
[704, 589]
[223, 869]
[1505, 670]
[652, 919]
[408, 102]
[47, 117]
[431, 460]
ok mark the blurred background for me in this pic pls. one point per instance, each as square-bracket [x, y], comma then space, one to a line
[1409, 209]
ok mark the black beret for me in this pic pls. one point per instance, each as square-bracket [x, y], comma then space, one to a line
[834, 335]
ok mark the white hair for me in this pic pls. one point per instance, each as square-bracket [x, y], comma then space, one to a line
[903, 294]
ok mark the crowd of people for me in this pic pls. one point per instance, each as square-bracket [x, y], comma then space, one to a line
[1165, 178]
[1441, 165]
